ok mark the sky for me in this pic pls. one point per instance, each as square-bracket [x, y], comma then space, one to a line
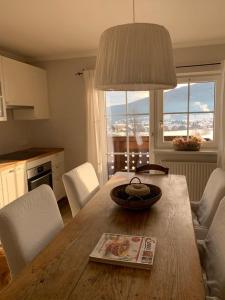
[118, 98]
[175, 100]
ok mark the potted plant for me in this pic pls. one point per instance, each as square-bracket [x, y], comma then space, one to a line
[192, 143]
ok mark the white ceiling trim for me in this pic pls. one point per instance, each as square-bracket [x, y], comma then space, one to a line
[94, 52]
[199, 44]
[66, 56]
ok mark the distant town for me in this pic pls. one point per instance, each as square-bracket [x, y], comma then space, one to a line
[175, 124]
[172, 127]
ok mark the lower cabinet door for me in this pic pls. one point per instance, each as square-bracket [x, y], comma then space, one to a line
[21, 183]
[58, 171]
[9, 186]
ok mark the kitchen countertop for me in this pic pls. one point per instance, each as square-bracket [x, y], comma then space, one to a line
[9, 160]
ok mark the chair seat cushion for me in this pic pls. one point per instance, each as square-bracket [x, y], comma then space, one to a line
[213, 193]
[81, 184]
[27, 225]
[213, 255]
[200, 231]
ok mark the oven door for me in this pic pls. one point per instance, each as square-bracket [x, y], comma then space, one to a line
[37, 181]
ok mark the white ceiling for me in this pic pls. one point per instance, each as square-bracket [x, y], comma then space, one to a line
[50, 29]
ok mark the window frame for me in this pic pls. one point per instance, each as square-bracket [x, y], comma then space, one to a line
[127, 114]
[185, 78]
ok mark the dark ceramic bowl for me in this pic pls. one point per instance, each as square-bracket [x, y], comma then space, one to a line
[120, 197]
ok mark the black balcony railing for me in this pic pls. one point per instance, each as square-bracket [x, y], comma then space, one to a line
[128, 153]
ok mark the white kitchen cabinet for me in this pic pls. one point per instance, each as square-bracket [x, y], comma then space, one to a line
[25, 89]
[13, 183]
[13, 179]
[8, 177]
[3, 116]
[18, 82]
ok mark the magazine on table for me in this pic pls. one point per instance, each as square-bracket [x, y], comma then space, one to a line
[126, 250]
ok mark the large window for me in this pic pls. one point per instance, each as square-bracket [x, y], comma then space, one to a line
[128, 123]
[190, 109]
[138, 121]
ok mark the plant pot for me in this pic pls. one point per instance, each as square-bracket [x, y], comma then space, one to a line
[187, 147]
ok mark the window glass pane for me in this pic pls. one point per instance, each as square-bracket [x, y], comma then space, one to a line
[116, 163]
[202, 96]
[138, 128]
[202, 124]
[116, 126]
[116, 135]
[176, 100]
[174, 125]
[138, 102]
[137, 160]
[115, 102]
[127, 118]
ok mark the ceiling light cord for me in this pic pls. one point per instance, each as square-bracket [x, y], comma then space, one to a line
[133, 11]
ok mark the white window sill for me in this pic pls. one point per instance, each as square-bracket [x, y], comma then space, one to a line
[172, 151]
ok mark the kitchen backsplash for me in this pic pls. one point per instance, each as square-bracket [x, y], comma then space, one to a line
[14, 135]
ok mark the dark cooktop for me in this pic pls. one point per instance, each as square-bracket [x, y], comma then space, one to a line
[20, 155]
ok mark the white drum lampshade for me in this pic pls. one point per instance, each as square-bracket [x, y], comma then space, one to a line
[135, 57]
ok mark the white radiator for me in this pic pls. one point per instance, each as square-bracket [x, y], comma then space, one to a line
[197, 174]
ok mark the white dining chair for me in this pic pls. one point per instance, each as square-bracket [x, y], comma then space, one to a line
[212, 255]
[27, 225]
[81, 184]
[204, 210]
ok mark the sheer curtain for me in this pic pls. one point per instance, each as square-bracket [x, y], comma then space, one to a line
[221, 146]
[96, 144]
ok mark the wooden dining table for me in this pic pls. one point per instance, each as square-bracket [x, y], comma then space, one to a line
[63, 270]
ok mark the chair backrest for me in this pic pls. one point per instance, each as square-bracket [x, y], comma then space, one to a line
[27, 225]
[149, 167]
[81, 184]
[214, 254]
[213, 193]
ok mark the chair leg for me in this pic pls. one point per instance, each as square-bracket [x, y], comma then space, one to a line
[4, 270]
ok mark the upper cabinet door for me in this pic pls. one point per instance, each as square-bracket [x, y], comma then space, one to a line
[19, 82]
[25, 86]
[2, 98]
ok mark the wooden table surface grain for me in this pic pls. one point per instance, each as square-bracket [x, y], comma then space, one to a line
[63, 271]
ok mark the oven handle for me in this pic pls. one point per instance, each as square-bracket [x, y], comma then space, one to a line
[30, 180]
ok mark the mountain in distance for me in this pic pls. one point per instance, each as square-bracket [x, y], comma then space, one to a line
[140, 106]
[201, 99]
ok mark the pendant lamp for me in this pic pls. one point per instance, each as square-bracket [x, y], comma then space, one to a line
[135, 57]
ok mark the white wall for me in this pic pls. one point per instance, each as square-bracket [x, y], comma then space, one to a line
[67, 126]
[14, 135]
